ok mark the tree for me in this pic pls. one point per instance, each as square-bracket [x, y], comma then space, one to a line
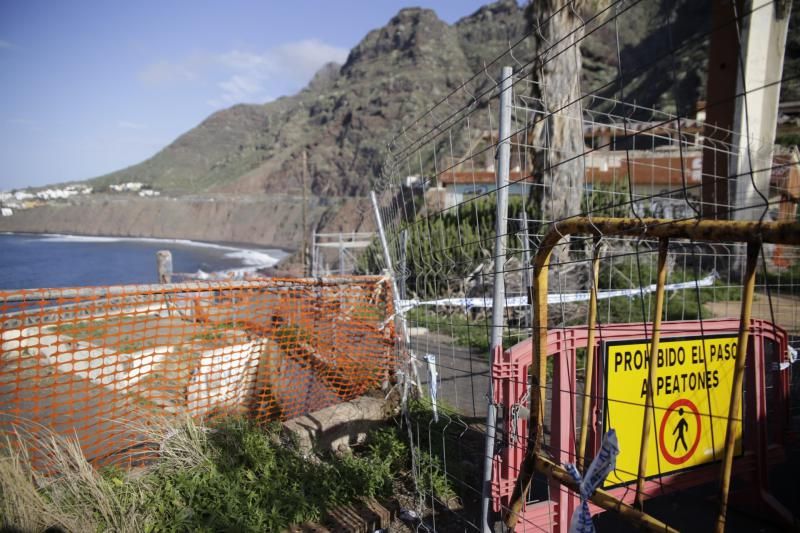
[557, 136]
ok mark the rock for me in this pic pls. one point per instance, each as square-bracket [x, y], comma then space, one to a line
[338, 427]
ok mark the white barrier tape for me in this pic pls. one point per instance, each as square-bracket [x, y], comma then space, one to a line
[522, 301]
[603, 464]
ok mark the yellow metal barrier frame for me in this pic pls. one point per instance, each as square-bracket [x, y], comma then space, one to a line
[752, 233]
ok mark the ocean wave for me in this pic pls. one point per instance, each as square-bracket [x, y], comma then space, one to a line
[252, 259]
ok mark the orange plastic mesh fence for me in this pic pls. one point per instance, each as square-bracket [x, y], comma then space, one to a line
[80, 361]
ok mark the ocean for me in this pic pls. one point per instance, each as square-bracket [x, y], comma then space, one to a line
[30, 261]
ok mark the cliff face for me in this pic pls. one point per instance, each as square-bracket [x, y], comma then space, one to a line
[263, 220]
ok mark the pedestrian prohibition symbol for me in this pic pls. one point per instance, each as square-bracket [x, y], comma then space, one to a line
[682, 427]
[691, 396]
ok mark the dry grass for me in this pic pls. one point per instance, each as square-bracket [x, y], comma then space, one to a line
[45, 482]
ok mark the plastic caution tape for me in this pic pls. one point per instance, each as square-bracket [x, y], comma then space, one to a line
[603, 464]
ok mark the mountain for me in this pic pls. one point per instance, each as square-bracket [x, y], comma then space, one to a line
[346, 115]
[344, 119]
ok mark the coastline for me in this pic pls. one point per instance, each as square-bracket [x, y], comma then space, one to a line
[233, 245]
[264, 221]
[235, 260]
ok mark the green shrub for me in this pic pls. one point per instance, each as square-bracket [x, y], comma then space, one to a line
[235, 476]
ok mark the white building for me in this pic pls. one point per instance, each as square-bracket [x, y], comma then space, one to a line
[131, 186]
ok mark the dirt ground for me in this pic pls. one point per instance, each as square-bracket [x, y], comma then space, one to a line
[784, 309]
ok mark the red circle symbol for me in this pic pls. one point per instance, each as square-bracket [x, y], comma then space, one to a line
[679, 459]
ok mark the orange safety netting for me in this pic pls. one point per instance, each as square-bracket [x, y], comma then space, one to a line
[81, 360]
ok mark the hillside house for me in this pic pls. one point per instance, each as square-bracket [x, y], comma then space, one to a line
[620, 157]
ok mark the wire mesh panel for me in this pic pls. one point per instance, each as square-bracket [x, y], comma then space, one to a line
[87, 360]
[634, 137]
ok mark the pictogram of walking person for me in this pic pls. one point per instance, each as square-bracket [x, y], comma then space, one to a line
[680, 429]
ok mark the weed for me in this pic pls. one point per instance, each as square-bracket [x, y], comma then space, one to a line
[234, 476]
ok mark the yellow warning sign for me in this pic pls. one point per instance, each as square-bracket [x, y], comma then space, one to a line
[691, 394]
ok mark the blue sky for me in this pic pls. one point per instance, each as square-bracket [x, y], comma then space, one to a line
[94, 86]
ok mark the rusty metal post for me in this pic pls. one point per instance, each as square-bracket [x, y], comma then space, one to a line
[541, 267]
[753, 249]
[649, 408]
[664, 229]
[603, 499]
[588, 377]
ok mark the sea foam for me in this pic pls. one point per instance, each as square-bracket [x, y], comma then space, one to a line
[253, 259]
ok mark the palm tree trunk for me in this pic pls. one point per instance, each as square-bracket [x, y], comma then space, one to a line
[558, 134]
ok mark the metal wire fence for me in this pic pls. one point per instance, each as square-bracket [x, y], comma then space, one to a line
[471, 187]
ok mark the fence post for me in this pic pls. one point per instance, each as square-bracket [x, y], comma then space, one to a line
[341, 256]
[403, 265]
[314, 252]
[499, 289]
[399, 311]
[164, 261]
[526, 263]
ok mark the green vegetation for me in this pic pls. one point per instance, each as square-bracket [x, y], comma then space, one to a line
[446, 460]
[293, 335]
[218, 331]
[235, 476]
[788, 139]
[467, 331]
[781, 281]
[445, 248]
[124, 331]
[608, 201]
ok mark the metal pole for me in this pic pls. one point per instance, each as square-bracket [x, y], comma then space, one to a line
[649, 409]
[498, 299]
[403, 266]
[753, 249]
[314, 252]
[395, 293]
[341, 258]
[526, 261]
[304, 251]
[588, 375]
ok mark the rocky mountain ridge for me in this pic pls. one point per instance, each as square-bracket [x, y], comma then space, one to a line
[344, 118]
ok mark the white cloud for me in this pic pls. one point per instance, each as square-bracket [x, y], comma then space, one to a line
[127, 125]
[5, 44]
[166, 73]
[240, 88]
[246, 76]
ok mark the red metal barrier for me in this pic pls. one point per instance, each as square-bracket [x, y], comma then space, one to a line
[765, 416]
